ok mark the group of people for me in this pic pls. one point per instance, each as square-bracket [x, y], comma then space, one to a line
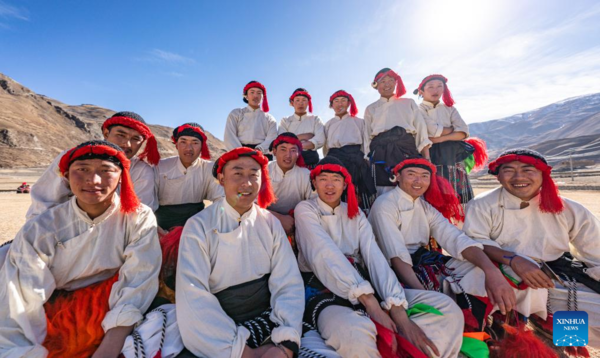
[362, 253]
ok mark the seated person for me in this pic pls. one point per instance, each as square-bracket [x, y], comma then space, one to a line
[80, 275]
[344, 271]
[239, 292]
[525, 220]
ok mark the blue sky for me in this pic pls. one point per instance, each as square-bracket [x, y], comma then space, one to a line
[181, 61]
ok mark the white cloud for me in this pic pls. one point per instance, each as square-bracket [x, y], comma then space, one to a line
[169, 57]
[7, 12]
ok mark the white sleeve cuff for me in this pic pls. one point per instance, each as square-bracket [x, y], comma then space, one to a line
[424, 144]
[593, 272]
[239, 342]
[363, 288]
[394, 301]
[121, 316]
[283, 333]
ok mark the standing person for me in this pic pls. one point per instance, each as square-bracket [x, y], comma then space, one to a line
[185, 181]
[452, 151]
[345, 140]
[526, 222]
[308, 127]
[344, 269]
[395, 128]
[289, 178]
[237, 278]
[129, 131]
[251, 126]
[80, 275]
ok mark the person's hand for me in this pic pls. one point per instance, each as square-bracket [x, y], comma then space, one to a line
[499, 291]
[412, 332]
[376, 313]
[277, 352]
[531, 273]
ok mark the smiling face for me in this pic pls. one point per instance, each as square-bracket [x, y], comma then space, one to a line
[520, 179]
[386, 86]
[340, 106]
[330, 187]
[128, 139]
[254, 96]
[433, 91]
[189, 149]
[241, 181]
[93, 182]
[300, 104]
[414, 181]
[286, 155]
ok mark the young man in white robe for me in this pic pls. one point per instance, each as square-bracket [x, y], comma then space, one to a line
[239, 292]
[289, 178]
[80, 275]
[252, 126]
[184, 181]
[525, 222]
[129, 131]
[303, 123]
[395, 128]
[404, 220]
[344, 270]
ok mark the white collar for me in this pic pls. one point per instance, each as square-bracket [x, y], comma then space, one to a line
[116, 203]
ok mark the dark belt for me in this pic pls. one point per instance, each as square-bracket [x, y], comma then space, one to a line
[246, 300]
[388, 149]
[311, 157]
[450, 152]
[353, 159]
[168, 216]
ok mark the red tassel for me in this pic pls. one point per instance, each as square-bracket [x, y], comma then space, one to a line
[351, 198]
[169, 245]
[150, 153]
[353, 108]
[205, 153]
[300, 161]
[129, 200]
[471, 324]
[266, 195]
[550, 201]
[392, 345]
[265, 102]
[400, 89]
[310, 108]
[74, 320]
[441, 195]
[520, 343]
[447, 96]
[480, 154]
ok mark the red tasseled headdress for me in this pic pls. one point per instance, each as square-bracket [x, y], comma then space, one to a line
[129, 200]
[350, 191]
[480, 155]
[150, 153]
[400, 89]
[550, 201]
[446, 96]
[265, 102]
[440, 194]
[205, 153]
[266, 196]
[291, 140]
[342, 93]
[305, 94]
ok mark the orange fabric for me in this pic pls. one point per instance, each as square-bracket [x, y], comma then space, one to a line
[74, 320]
[481, 336]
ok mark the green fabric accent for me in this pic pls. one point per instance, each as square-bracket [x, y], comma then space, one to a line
[514, 280]
[469, 163]
[422, 308]
[474, 348]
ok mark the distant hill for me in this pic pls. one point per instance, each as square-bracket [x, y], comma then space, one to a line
[34, 128]
[571, 125]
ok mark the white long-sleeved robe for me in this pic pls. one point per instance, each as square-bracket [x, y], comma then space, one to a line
[325, 238]
[495, 218]
[219, 249]
[308, 123]
[440, 116]
[290, 188]
[250, 126]
[62, 248]
[344, 131]
[52, 188]
[385, 114]
[177, 184]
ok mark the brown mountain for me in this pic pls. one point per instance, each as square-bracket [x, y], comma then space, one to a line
[34, 128]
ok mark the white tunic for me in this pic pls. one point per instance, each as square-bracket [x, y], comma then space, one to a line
[52, 188]
[344, 131]
[250, 126]
[220, 249]
[180, 185]
[326, 237]
[440, 116]
[290, 188]
[63, 248]
[495, 218]
[402, 225]
[385, 114]
[308, 123]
